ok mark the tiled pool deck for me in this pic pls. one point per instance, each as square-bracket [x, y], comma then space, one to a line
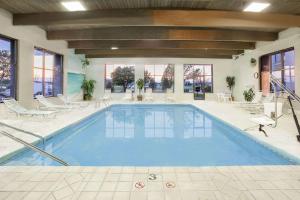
[245, 182]
[129, 183]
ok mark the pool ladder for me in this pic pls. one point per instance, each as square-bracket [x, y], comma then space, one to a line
[34, 148]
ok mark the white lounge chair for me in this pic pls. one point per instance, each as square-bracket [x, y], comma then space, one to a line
[45, 104]
[66, 101]
[14, 106]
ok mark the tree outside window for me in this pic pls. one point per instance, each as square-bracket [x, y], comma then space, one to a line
[197, 76]
[119, 78]
[159, 77]
[7, 68]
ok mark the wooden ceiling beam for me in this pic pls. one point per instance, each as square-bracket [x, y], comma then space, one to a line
[165, 55]
[157, 52]
[158, 44]
[148, 17]
[161, 33]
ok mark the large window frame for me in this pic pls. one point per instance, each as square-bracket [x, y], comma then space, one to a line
[128, 83]
[55, 71]
[202, 77]
[156, 85]
[13, 68]
[276, 60]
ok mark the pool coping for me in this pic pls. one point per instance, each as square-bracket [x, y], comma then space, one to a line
[52, 134]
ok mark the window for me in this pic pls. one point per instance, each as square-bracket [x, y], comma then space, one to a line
[159, 78]
[197, 77]
[281, 65]
[7, 68]
[48, 73]
[119, 78]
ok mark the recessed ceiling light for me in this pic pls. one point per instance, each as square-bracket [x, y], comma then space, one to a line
[114, 48]
[73, 5]
[256, 7]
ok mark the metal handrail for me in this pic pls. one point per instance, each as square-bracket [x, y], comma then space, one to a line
[274, 82]
[23, 131]
[275, 96]
[284, 88]
[34, 148]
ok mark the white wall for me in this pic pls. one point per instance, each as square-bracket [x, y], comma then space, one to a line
[28, 37]
[221, 69]
[244, 71]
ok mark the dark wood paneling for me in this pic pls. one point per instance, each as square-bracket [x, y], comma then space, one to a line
[161, 33]
[29, 6]
[159, 56]
[158, 44]
[157, 52]
[135, 17]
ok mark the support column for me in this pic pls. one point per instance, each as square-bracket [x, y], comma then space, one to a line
[25, 74]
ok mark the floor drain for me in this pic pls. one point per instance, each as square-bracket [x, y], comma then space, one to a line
[139, 185]
[170, 185]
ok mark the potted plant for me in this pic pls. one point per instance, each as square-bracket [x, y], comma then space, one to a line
[88, 89]
[140, 86]
[230, 84]
[249, 95]
[87, 85]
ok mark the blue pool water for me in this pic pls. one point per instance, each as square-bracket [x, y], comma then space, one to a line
[152, 135]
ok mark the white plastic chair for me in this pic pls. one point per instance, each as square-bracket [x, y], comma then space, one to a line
[105, 99]
[220, 96]
[224, 97]
[227, 97]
